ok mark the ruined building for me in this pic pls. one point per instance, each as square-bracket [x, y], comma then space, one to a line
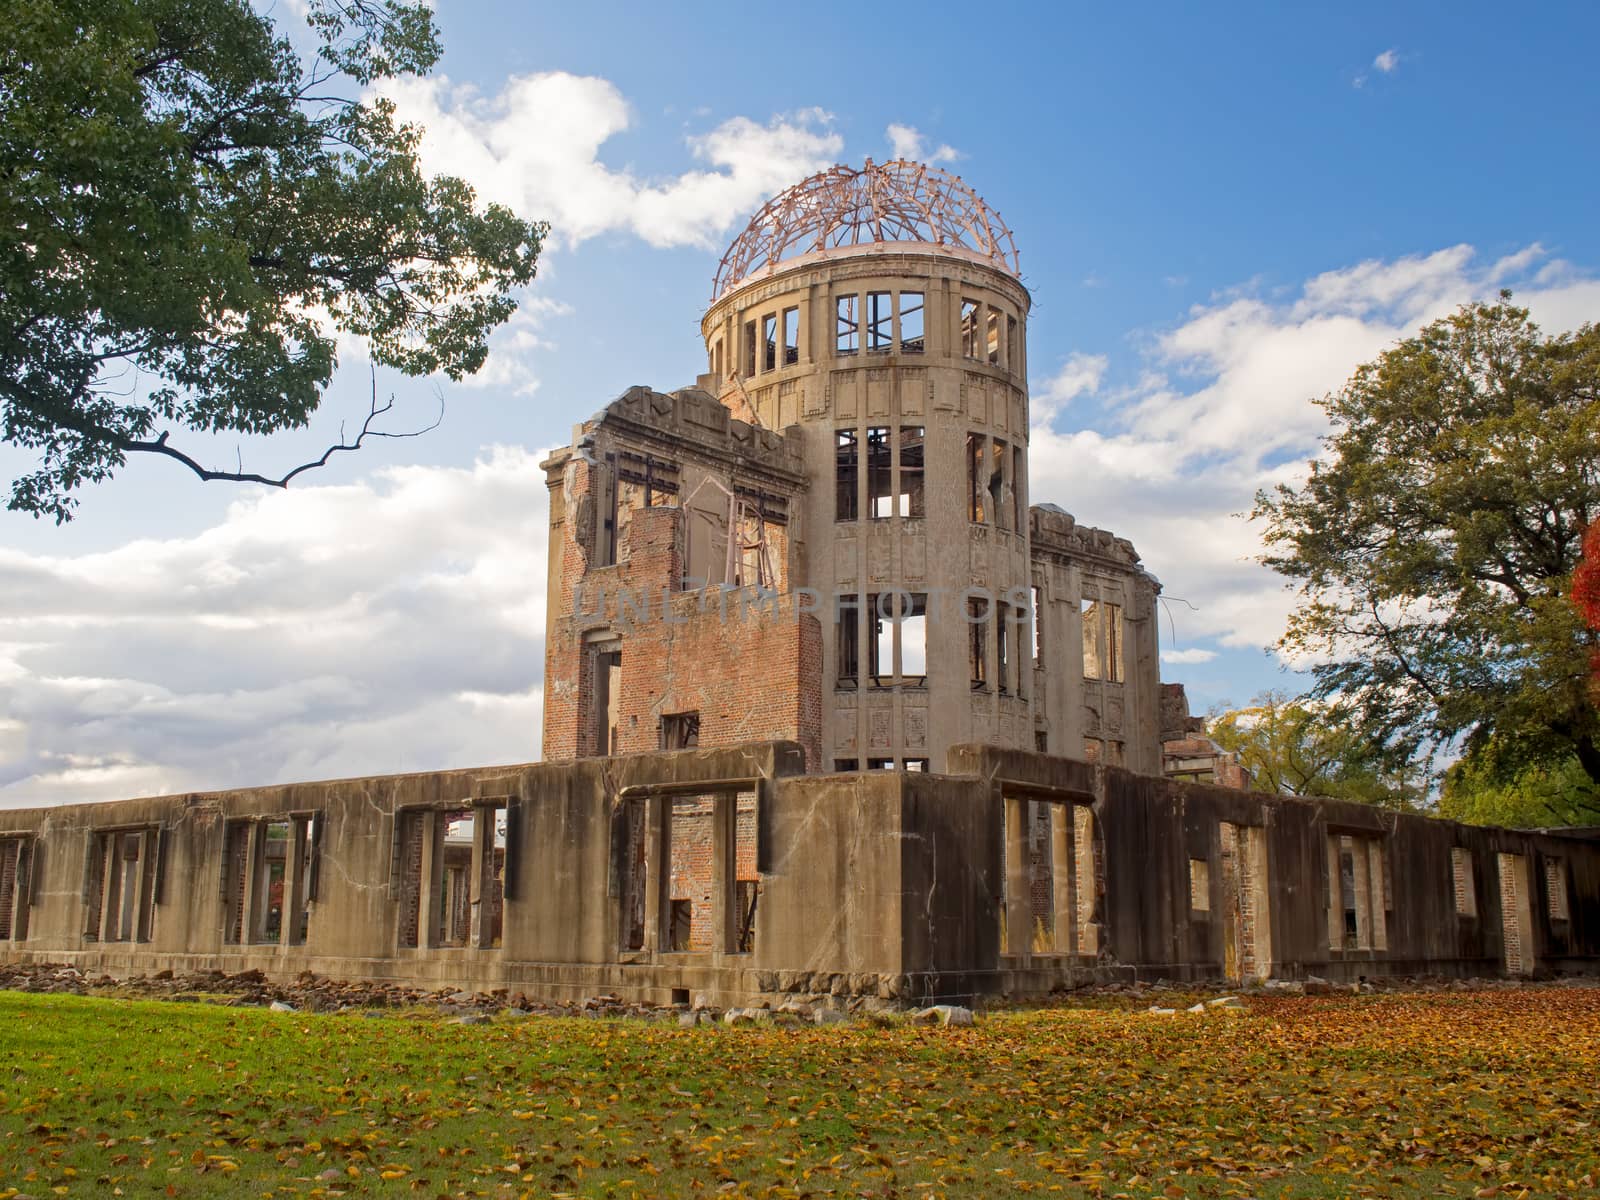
[858, 446]
[831, 709]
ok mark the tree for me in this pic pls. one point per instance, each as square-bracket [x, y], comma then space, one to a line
[1301, 749]
[191, 214]
[1494, 785]
[1434, 541]
[1586, 597]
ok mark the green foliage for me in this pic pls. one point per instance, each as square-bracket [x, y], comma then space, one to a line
[1494, 785]
[190, 214]
[1434, 541]
[1304, 749]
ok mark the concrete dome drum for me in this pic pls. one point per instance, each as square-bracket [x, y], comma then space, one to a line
[894, 203]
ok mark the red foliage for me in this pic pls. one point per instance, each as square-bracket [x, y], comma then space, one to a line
[1586, 589]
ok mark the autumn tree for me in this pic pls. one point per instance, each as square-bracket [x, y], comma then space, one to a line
[1586, 596]
[1434, 541]
[191, 214]
[1303, 749]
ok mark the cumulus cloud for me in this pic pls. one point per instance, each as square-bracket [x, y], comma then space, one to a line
[1223, 404]
[1080, 375]
[536, 147]
[1387, 62]
[388, 625]
[1192, 654]
[906, 141]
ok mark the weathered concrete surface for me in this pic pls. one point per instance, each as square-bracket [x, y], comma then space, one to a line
[1021, 874]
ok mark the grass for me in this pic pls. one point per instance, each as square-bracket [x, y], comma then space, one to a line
[1487, 1093]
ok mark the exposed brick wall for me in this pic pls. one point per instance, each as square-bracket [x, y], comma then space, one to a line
[9, 850]
[753, 671]
[1511, 922]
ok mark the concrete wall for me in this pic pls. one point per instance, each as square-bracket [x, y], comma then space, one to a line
[1019, 873]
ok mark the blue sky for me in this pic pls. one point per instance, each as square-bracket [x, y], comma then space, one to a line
[1220, 212]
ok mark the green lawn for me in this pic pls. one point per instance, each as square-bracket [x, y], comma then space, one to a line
[1488, 1093]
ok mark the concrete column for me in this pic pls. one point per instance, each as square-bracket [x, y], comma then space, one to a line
[294, 884]
[1019, 938]
[250, 918]
[428, 883]
[482, 820]
[658, 865]
[1335, 898]
[1363, 890]
[1061, 877]
[1083, 857]
[724, 870]
[1380, 927]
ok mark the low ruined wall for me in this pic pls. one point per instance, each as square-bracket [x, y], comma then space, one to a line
[731, 875]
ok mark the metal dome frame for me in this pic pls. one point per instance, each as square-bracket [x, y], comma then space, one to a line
[899, 201]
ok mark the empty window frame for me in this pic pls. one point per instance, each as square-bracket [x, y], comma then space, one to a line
[769, 342]
[604, 710]
[969, 328]
[1041, 740]
[1036, 617]
[847, 627]
[1555, 889]
[1002, 648]
[749, 349]
[880, 639]
[1013, 349]
[1102, 640]
[842, 765]
[1047, 878]
[710, 849]
[847, 472]
[880, 473]
[274, 860]
[16, 861]
[978, 617]
[913, 323]
[1019, 470]
[880, 764]
[977, 490]
[451, 866]
[913, 633]
[120, 885]
[897, 638]
[1462, 881]
[1199, 885]
[1357, 901]
[716, 357]
[919, 765]
[991, 337]
[641, 481]
[680, 731]
[912, 502]
[997, 484]
[791, 336]
[880, 322]
[847, 325]
[636, 872]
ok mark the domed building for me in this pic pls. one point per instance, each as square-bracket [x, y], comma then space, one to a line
[829, 537]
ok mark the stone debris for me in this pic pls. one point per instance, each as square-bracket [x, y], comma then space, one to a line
[1155, 1010]
[944, 1014]
[280, 1006]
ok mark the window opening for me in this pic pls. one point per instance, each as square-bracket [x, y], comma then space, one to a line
[1113, 626]
[846, 764]
[880, 764]
[605, 713]
[911, 502]
[847, 326]
[636, 884]
[791, 336]
[849, 641]
[769, 343]
[996, 482]
[880, 485]
[1019, 515]
[1013, 350]
[846, 471]
[453, 844]
[1036, 623]
[749, 349]
[916, 764]
[1002, 647]
[14, 887]
[1041, 741]
[976, 491]
[977, 624]
[1555, 888]
[121, 886]
[1091, 615]
[1199, 885]
[913, 339]
[680, 731]
[913, 629]
[1461, 877]
[880, 322]
[272, 873]
[690, 842]
[746, 878]
[992, 336]
[969, 328]
[880, 641]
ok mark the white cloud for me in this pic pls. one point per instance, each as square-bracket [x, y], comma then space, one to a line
[1387, 62]
[535, 146]
[1192, 654]
[388, 625]
[1080, 375]
[905, 141]
[1223, 405]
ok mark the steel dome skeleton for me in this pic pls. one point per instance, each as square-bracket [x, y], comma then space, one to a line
[895, 202]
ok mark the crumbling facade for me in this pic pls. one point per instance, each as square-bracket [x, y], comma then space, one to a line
[859, 447]
[818, 563]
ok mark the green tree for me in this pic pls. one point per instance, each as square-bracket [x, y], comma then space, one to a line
[191, 213]
[1434, 540]
[1302, 749]
[1495, 785]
